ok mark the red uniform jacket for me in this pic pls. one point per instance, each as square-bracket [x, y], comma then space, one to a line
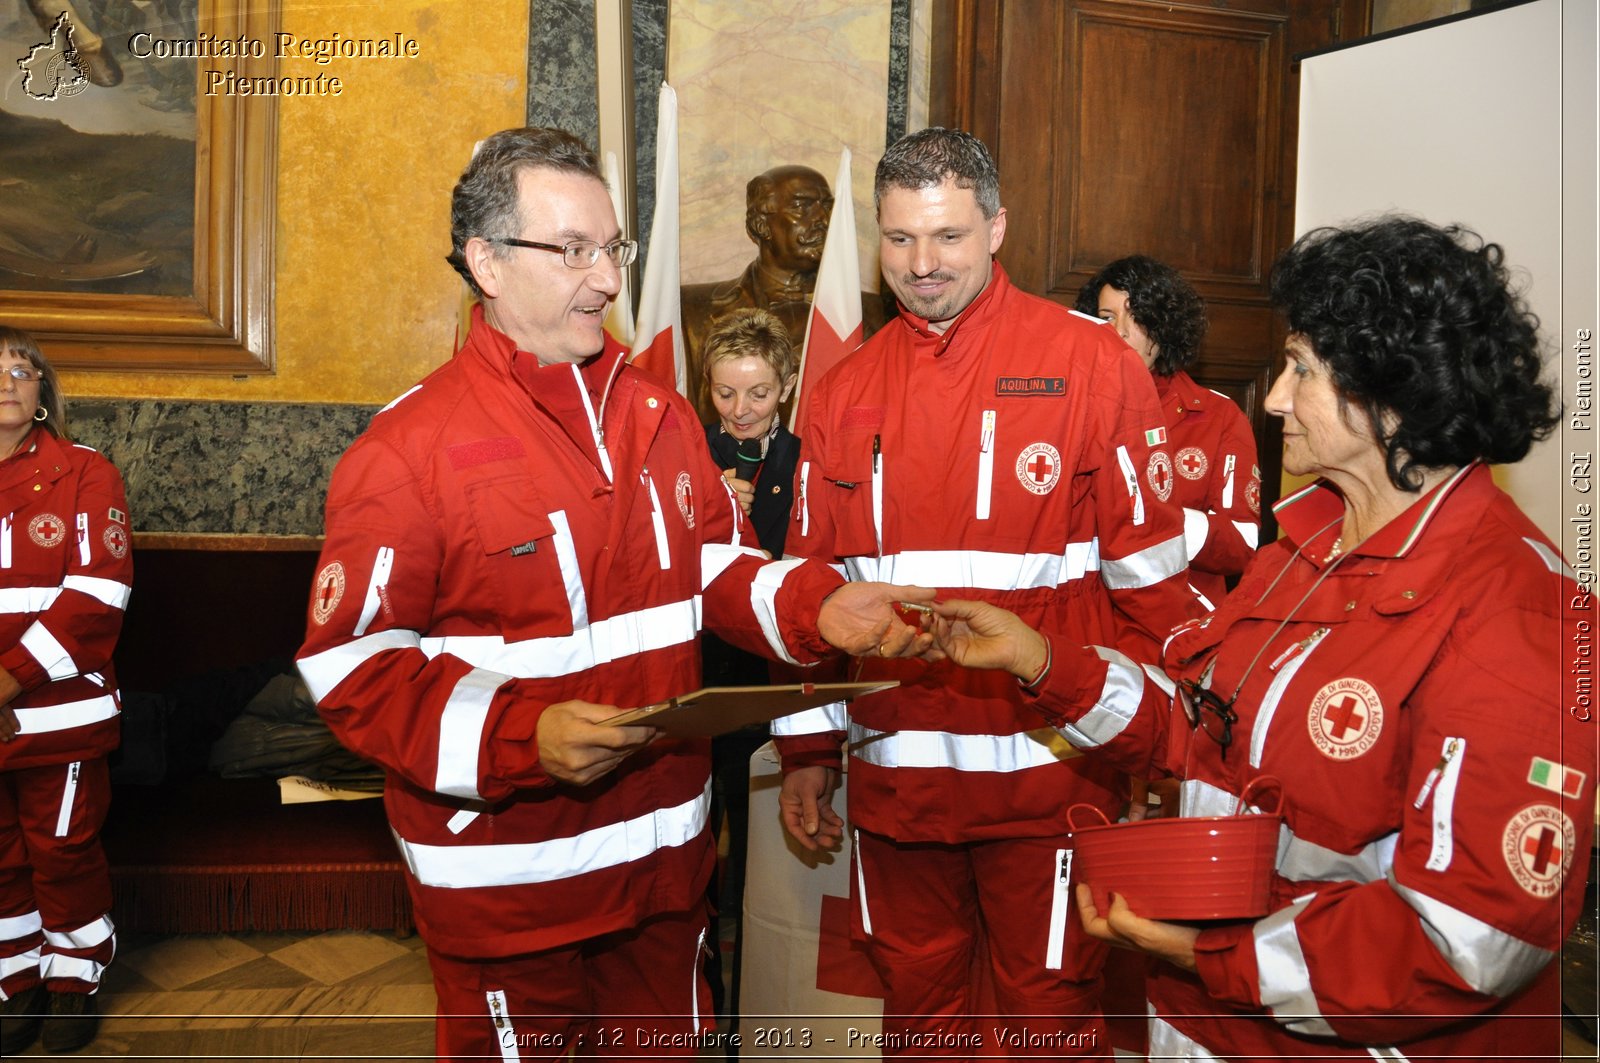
[1438, 796]
[65, 578]
[1004, 460]
[486, 558]
[1214, 477]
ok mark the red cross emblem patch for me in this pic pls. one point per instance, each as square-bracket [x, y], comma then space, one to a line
[1345, 718]
[1159, 472]
[47, 529]
[1537, 846]
[1192, 463]
[683, 490]
[116, 539]
[1252, 495]
[1039, 467]
[329, 590]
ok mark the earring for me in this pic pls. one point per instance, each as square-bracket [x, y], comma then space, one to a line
[41, 414]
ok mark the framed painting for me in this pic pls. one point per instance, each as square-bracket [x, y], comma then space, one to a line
[137, 181]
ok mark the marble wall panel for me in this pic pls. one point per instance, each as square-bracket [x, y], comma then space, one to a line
[233, 467]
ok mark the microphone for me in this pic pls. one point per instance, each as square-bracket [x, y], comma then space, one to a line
[747, 459]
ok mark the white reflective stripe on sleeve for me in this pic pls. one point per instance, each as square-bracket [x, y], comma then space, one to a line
[20, 926]
[805, 498]
[326, 670]
[941, 749]
[861, 884]
[1249, 531]
[1444, 802]
[1269, 701]
[1168, 1043]
[69, 793]
[5, 542]
[830, 717]
[1145, 568]
[1552, 560]
[382, 565]
[84, 552]
[716, 557]
[764, 600]
[28, 599]
[51, 655]
[1196, 526]
[55, 965]
[1131, 478]
[571, 571]
[504, 1032]
[1283, 980]
[985, 464]
[65, 716]
[602, 642]
[615, 844]
[461, 733]
[1116, 706]
[1299, 860]
[89, 935]
[108, 591]
[663, 555]
[1491, 961]
[22, 961]
[398, 399]
[1196, 797]
[985, 569]
[1060, 890]
[1227, 480]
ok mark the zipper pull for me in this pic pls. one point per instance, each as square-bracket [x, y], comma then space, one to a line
[986, 438]
[1296, 650]
[877, 454]
[1438, 770]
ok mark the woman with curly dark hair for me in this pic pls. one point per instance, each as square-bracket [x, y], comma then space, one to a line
[1212, 470]
[1395, 662]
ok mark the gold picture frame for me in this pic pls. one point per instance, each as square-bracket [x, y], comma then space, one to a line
[224, 324]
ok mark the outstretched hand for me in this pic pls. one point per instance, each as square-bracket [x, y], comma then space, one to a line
[860, 619]
[576, 747]
[1172, 942]
[980, 635]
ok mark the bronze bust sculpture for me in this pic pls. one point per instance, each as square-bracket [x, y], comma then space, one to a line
[786, 214]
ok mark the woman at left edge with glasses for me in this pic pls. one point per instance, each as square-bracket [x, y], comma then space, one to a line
[1396, 661]
[65, 577]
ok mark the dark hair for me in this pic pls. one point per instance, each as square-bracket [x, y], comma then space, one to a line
[1420, 327]
[1165, 305]
[760, 197]
[929, 157]
[19, 342]
[484, 202]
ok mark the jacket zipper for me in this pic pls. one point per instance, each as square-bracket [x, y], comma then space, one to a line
[1131, 478]
[877, 492]
[1061, 893]
[69, 794]
[1290, 662]
[663, 555]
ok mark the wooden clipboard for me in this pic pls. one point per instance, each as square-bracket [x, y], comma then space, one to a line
[720, 710]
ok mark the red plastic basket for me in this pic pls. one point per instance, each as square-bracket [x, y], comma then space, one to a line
[1214, 867]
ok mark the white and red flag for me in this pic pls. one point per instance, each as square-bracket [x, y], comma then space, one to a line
[658, 337]
[834, 327]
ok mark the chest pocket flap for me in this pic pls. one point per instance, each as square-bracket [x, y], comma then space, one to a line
[508, 514]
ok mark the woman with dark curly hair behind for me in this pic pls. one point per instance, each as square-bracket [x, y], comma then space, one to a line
[1212, 472]
[1395, 661]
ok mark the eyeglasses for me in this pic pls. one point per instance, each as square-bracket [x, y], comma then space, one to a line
[25, 373]
[580, 254]
[1208, 712]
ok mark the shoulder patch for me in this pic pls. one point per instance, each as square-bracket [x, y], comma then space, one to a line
[328, 592]
[1537, 846]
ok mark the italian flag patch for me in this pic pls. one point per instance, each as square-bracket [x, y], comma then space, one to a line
[1557, 778]
[1154, 437]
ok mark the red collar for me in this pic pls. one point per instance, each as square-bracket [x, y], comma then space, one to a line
[1317, 508]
